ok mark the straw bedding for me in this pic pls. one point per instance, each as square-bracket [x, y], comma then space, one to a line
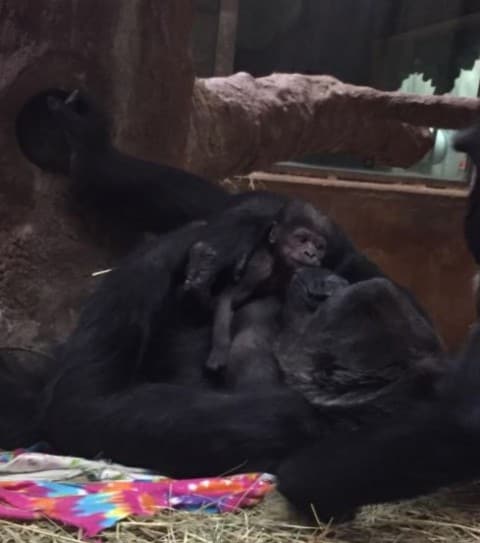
[450, 516]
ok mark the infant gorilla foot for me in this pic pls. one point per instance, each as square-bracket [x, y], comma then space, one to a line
[217, 360]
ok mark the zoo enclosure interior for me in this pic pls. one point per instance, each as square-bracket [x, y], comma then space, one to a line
[409, 221]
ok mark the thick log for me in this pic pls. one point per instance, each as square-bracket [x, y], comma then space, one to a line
[240, 124]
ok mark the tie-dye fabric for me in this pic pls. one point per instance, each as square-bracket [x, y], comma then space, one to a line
[94, 506]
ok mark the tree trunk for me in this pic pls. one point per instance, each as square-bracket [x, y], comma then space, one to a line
[132, 55]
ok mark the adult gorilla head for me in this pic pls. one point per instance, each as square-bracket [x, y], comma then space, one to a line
[364, 348]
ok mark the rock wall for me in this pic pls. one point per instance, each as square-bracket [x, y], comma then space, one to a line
[46, 254]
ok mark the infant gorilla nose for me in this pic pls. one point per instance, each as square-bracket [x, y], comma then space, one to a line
[311, 255]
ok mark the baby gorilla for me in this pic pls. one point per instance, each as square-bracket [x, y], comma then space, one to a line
[296, 239]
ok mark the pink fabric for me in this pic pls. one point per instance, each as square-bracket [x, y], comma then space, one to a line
[92, 507]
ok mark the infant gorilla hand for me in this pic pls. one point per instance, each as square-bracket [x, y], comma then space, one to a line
[311, 286]
[204, 265]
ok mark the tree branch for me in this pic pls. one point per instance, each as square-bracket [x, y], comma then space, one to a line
[240, 124]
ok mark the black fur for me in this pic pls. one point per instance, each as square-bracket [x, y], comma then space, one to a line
[117, 394]
[142, 193]
[435, 445]
[23, 375]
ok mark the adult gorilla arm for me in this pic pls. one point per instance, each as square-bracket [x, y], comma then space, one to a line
[156, 197]
[433, 444]
[102, 402]
[147, 195]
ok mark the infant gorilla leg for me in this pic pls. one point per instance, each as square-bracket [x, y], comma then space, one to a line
[251, 363]
[221, 343]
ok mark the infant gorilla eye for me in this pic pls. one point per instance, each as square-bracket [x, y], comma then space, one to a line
[302, 236]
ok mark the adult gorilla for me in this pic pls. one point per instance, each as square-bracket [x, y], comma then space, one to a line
[130, 385]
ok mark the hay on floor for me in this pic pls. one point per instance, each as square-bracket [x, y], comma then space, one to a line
[452, 516]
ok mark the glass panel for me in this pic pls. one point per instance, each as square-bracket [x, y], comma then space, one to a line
[421, 46]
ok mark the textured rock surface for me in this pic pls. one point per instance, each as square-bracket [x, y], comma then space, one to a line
[240, 124]
[46, 257]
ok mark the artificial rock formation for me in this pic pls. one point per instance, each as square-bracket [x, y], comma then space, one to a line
[46, 257]
[240, 124]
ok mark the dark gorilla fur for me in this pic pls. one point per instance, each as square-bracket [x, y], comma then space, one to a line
[366, 345]
[130, 385]
[119, 394]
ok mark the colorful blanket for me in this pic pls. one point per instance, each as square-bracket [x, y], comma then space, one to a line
[94, 495]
